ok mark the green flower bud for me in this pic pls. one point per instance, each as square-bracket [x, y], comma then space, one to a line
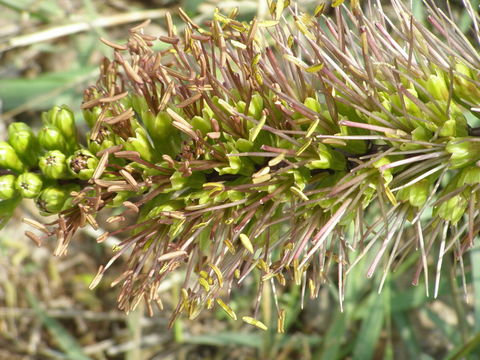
[449, 129]
[202, 124]
[91, 115]
[53, 199]
[452, 209]
[9, 158]
[195, 181]
[386, 174]
[18, 126]
[138, 103]
[170, 205]
[410, 106]
[421, 134]
[29, 185]
[82, 164]
[51, 138]
[24, 141]
[328, 159]
[235, 195]
[53, 165]
[164, 135]
[244, 145]
[463, 86]
[437, 87]
[50, 115]
[464, 152]
[469, 176]
[141, 144]
[7, 187]
[416, 194]
[104, 140]
[120, 197]
[68, 190]
[237, 165]
[256, 106]
[62, 118]
[313, 104]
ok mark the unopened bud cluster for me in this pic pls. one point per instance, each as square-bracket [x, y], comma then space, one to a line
[45, 166]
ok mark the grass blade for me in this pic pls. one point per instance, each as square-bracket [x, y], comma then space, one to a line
[65, 341]
[475, 261]
[370, 329]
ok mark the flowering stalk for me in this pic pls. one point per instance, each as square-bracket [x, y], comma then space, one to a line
[257, 146]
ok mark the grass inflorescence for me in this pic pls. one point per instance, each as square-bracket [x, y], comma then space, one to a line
[291, 147]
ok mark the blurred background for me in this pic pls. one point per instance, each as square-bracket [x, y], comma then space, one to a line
[49, 52]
